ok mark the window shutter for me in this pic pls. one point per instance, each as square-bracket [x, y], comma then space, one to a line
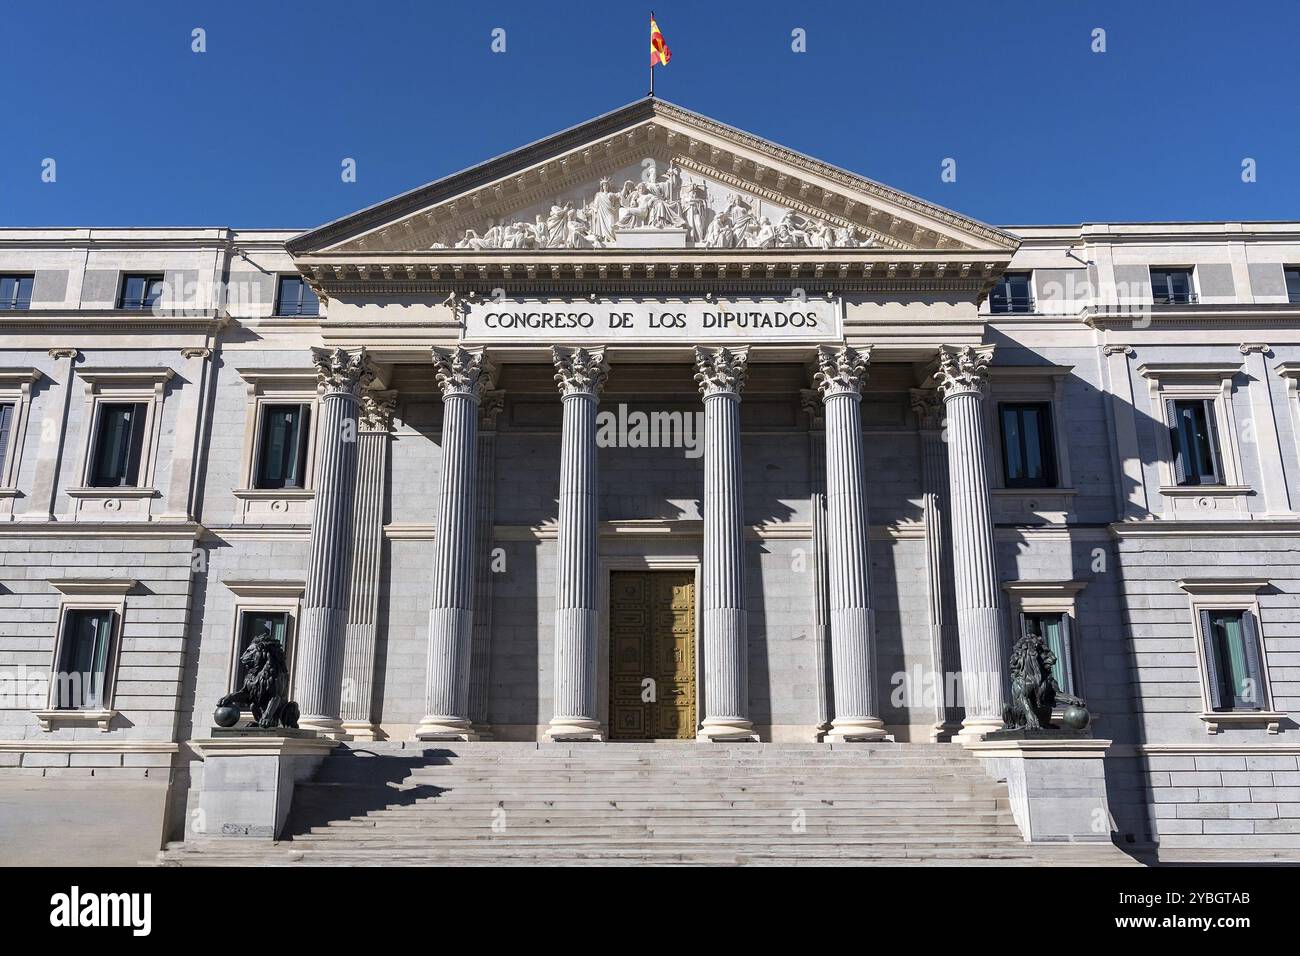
[1067, 655]
[1212, 429]
[6, 418]
[1211, 662]
[1254, 655]
[1176, 442]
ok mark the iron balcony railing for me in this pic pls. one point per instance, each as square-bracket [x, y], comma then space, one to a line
[1004, 304]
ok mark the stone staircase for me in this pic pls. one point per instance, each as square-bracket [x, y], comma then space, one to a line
[413, 803]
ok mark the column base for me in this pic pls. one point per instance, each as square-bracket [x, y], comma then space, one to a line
[575, 728]
[944, 731]
[362, 730]
[330, 727]
[856, 730]
[445, 728]
[973, 729]
[721, 729]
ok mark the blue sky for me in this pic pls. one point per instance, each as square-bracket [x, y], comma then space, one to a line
[252, 132]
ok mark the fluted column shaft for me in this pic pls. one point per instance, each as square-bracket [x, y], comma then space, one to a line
[480, 668]
[818, 561]
[580, 374]
[979, 621]
[367, 560]
[322, 630]
[462, 375]
[944, 653]
[840, 374]
[721, 374]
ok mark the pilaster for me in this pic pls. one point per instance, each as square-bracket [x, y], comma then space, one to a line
[927, 405]
[373, 438]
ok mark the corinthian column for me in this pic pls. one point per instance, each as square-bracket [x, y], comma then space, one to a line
[373, 436]
[961, 376]
[840, 374]
[721, 376]
[323, 629]
[463, 375]
[580, 374]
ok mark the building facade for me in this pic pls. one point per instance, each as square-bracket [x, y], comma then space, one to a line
[653, 430]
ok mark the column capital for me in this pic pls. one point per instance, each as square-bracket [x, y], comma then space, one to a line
[341, 373]
[198, 352]
[841, 371]
[63, 353]
[927, 404]
[580, 371]
[721, 371]
[1247, 348]
[963, 369]
[1117, 350]
[490, 407]
[462, 371]
[377, 407]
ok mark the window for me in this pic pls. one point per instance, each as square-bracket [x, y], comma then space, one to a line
[1292, 283]
[282, 455]
[1012, 293]
[295, 297]
[1028, 450]
[1193, 436]
[119, 440]
[15, 292]
[253, 624]
[6, 426]
[1232, 660]
[140, 291]
[1054, 629]
[1172, 286]
[80, 680]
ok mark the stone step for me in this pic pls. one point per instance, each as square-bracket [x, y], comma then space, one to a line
[402, 803]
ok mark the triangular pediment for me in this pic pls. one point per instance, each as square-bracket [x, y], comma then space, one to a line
[651, 176]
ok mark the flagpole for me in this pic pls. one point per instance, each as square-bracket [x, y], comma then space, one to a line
[652, 62]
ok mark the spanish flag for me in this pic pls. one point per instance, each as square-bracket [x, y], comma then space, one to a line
[659, 52]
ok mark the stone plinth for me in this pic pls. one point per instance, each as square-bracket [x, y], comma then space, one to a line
[1057, 782]
[249, 776]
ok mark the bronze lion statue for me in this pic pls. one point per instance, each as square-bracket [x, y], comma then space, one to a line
[1034, 691]
[266, 685]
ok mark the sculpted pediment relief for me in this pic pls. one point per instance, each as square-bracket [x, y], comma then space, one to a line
[652, 176]
[654, 205]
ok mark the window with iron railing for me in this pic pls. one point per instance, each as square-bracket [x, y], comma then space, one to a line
[16, 292]
[140, 291]
[1172, 287]
[1012, 294]
[295, 297]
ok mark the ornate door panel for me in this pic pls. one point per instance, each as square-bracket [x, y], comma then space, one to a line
[652, 655]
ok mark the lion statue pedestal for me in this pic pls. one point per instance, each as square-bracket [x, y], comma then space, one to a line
[250, 772]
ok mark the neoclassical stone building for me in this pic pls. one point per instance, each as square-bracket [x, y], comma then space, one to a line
[653, 429]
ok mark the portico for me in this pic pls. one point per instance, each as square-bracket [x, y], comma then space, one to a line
[764, 294]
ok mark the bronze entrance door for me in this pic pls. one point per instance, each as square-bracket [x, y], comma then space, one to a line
[652, 655]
